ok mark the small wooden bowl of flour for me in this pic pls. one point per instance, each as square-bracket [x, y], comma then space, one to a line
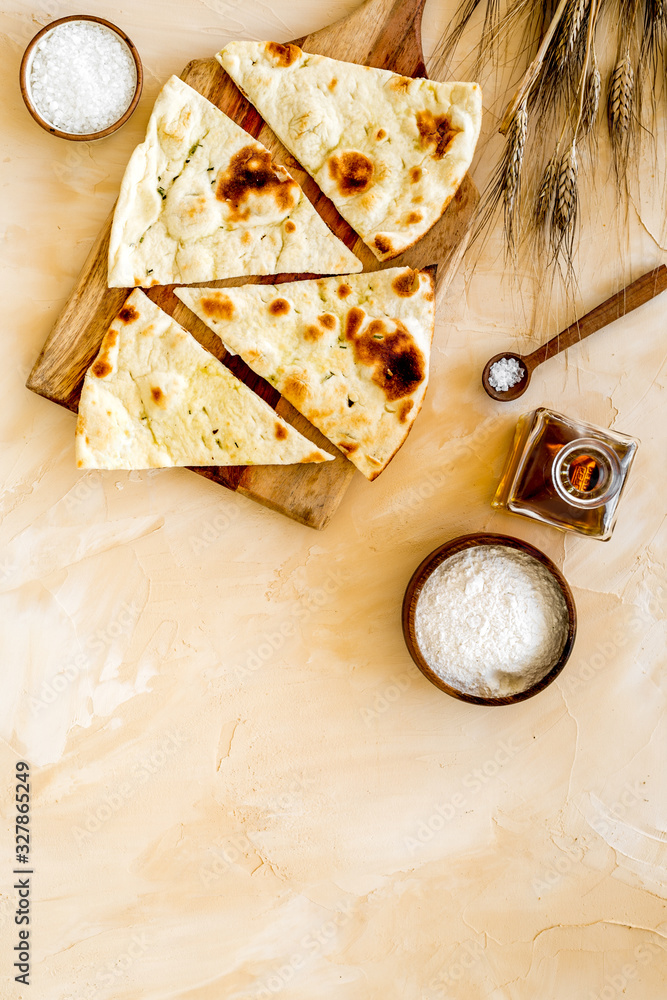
[489, 619]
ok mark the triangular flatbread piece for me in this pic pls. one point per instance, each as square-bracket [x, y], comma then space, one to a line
[201, 199]
[351, 354]
[390, 151]
[154, 398]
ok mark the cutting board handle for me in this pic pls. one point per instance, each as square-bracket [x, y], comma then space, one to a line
[382, 33]
[402, 32]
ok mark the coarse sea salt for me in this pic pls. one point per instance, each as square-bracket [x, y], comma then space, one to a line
[491, 621]
[505, 373]
[82, 77]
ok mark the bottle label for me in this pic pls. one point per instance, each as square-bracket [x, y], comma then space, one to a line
[584, 473]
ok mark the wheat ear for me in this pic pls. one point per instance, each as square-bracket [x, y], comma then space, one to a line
[592, 90]
[546, 194]
[544, 203]
[566, 206]
[619, 110]
[572, 22]
[516, 144]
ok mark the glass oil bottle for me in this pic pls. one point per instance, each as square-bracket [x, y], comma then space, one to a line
[566, 473]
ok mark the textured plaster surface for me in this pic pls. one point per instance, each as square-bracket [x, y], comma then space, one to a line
[242, 787]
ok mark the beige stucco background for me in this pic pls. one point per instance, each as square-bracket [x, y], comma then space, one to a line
[242, 787]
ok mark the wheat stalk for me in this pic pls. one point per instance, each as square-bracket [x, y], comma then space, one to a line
[619, 109]
[621, 96]
[656, 12]
[592, 93]
[572, 22]
[566, 197]
[532, 73]
[544, 203]
[654, 32]
[516, 144]
[547, 191]
[590, 84]
[566, 208]
[505, 185]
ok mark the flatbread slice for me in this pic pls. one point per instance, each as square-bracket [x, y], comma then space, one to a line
[201, 199]
[351, 354]
[154, 398]
[390, 151]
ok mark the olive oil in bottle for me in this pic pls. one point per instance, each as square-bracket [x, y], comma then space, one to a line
[565, 473]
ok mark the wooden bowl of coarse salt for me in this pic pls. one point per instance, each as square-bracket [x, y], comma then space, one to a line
[489, 619]
[81, 77]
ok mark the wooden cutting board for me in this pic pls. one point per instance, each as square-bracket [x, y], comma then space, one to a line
[383, 33]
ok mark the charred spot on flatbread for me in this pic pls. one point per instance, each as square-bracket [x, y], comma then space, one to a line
[283, 55]
[436, 131]
[400, 83]
[101, 368]
[158, 396]
[352, 172]
[313, 333]
[280, 432]
[279, 307]
[102, 365]
[348, 448]
[252, 171]
[296, 388]
[406, 283]
[380, 134]
[383, 243]
[218, 307]
[332, 83]
[412, 218]
[343, 290]
[353, 321]
[128, 314]
[290, 227]
[415, 174]
[404, 409]
[398, 364]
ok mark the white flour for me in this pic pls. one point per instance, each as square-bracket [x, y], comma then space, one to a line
[491, 621]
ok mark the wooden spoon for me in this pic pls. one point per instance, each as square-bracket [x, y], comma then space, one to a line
[636, 294]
